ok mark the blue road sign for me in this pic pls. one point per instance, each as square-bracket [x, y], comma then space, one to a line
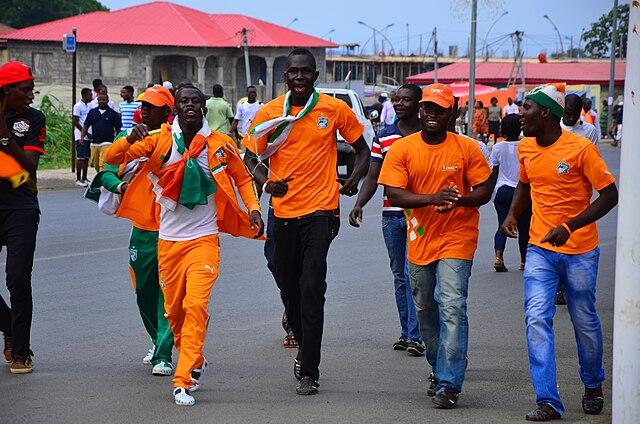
[69, 43]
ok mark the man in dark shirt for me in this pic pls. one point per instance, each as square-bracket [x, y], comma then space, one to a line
[105, 123]
[22, 136]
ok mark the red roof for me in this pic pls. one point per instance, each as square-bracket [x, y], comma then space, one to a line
[5, 28]
[168, 24]
[535, 73]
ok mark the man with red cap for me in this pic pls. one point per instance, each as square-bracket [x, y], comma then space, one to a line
[22, 137]
[137, 203]
[440, 179]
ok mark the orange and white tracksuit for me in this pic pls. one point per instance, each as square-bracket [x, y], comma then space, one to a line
[188, 258]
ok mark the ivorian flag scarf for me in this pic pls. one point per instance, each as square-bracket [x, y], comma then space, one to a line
[282, 124]
[11, 170]
[185, 182]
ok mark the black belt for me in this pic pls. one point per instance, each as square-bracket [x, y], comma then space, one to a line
[331, 214]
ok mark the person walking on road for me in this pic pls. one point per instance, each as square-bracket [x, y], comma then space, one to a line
[83, 148]
[219, 113]
[297, 133]
[494, 116]
[441, 179]
[558, 171]
[195, 173]
[245, 113]
[571, 119]
[22, 137]
[394, 224]
[105, 124]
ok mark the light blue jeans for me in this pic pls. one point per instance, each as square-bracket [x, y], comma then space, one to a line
[394, 230]
[440, 294]
[542, 274]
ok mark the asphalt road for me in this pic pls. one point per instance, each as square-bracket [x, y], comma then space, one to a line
[89, 339]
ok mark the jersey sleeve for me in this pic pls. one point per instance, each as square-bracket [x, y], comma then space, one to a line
[76, 110]
[36, 135]
[376, 151]
[524, 178]
[348, 124]
[238, 115]
[394, 171]
[595, 168]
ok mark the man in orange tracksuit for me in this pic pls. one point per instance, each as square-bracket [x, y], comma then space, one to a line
[195, 173]
[138, 205]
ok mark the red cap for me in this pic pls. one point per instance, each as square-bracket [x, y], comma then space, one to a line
[14, 72]
[439, 94]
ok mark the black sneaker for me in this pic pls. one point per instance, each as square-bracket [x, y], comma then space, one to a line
[431, 391]
[446, 399]
[415, 348]
[297, 366]
[401, 344]
[560, 298]
[307, 386]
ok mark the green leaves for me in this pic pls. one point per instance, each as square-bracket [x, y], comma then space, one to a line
[58, 141]
[598, 38]
[20, 14]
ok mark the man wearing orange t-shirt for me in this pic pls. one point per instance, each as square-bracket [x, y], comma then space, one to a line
[297, 133]
[558, 171]
[441, 179]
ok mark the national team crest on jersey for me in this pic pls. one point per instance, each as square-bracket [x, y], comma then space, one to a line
[20, 128]
[563, 168]
[133, 254]
[323, 122]
[220, 153]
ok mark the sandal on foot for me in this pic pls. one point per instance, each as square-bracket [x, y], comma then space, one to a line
[498, 265]
[290, 342]
[543, 412]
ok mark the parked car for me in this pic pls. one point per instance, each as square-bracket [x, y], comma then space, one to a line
[346, 153]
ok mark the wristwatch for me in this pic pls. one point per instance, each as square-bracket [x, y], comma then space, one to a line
[4, 141]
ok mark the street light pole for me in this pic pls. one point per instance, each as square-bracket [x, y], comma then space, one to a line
[612, 64]
[472, 65]
[379, 32]
[292, 22]
[557, 32]
[486, 47]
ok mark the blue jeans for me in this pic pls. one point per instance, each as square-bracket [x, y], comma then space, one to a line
[541, 277]
[394, 230]
[440, 294]
[502, 203]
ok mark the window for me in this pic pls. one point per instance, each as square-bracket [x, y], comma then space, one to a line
[345, 98]
[42, 65]
[114, 66]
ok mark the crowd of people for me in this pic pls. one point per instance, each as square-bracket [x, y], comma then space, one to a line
[179, 176]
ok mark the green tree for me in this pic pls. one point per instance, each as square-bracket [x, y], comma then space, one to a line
[598, 38]
[20, 13]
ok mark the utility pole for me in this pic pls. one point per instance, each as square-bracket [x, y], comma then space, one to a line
[245, 43]
[408, 52]
[516, 67]
[420, 51]
[626, 326]
[571, 46]
[73, 99]
[435, 54]
[472, 64]
[612, 64]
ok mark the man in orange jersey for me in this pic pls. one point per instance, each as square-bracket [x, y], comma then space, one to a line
[558, 171]
[138, 204]
[441, 179]
[195, 173]
[297, 133]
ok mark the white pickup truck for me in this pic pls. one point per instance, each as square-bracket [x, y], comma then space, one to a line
[346, 153]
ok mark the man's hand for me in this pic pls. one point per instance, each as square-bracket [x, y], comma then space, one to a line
[355, 216]
[446, 197]
[510, 226]
[557, 236]
[138, 133]
[349, 186]
[256, 222]
[278, 188]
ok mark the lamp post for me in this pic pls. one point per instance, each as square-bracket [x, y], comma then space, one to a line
[292, 22]
[580, 43]
[557, 32]
[331, 31]
[486, 47]
[379, 31]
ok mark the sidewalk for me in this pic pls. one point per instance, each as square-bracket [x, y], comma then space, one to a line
[50, 179]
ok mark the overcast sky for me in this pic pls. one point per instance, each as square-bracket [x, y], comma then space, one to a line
[452, 17]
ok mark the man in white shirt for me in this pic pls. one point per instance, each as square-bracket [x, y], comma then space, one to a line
[246, 112]
[105, 91]
[510, 107]
[388, 114]
[571, 119]
[83, 150]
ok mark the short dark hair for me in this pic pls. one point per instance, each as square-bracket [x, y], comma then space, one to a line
[480, 103]
[128, 88]
[492, 99]
[184, 85]
[85, 91]
[416, 91]
[252, 86]
[573, 100]
[303, 52]
[216, 90]
[510, 127]
[97, 83]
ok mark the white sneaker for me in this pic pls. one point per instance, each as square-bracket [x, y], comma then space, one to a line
[147, 359]
[162, 368]
[196, 376]
[183, 397]
[86, 182]
[80, 183]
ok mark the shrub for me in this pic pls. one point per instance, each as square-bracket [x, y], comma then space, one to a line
[58, 142]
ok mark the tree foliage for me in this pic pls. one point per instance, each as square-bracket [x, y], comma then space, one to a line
[21, 13]
[598, 38]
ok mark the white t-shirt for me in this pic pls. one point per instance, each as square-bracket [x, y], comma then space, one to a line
[512, 108]
[388, 113]
[245, 114]
[583, 129]
[182, 223]
[81, 109]
[505, 155]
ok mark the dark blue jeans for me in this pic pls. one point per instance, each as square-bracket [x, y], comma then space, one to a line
[502, 202]
[394, 230]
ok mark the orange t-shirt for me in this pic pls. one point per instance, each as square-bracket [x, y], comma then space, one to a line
[562, 178]
[309, 155]
[421, 168]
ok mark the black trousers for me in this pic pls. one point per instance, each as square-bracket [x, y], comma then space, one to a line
[301, 248]
[18, 229]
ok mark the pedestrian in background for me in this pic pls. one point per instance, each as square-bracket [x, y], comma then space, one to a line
[128, 107]
[219, 113]
[82, 146]
[104, 123]
[480, 122]
[494, 116]
[245, 113]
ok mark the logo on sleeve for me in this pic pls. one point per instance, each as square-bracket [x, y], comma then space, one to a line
[20, 128]
[563, 168]
[323, 122]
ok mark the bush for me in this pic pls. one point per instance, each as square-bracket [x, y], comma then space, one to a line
[58, 142]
